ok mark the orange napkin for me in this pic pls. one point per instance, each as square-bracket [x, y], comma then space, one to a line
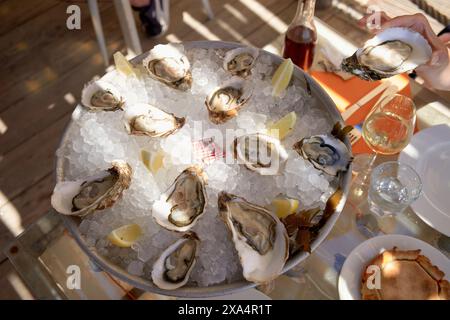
[344, 93]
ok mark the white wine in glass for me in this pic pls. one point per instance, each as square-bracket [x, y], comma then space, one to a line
[390, 125]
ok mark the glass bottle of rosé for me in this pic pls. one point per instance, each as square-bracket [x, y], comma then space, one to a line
[301, 36]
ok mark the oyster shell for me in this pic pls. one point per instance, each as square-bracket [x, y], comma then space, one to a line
[98, 192]
[224, 102]
[101, 96]
[145, 119]
[183, 203]
[260, 238]
[173, 268]
[260, 153]
[391, 52]
[327, 152]
[240, 61]
[168, 64]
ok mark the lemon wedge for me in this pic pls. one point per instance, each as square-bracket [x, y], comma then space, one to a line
[157, 161]
[125, 236]
[282, 127]
[145, 158]
[283, 207]
[122, 64]
[154, 161]
[282, 77]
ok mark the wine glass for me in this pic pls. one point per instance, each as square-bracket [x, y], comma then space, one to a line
[387, 129]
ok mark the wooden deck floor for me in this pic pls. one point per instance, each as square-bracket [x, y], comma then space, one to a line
[44, 67]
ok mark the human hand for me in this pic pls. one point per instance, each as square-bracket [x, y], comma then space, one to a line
[436, 72]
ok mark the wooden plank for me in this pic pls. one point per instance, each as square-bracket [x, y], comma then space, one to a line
[36, 112]
[14, 13]
[32, 204]
[38, 53]
[227, 27]
[32, 161]
[12, 286]
[266, 34]
[352, 32]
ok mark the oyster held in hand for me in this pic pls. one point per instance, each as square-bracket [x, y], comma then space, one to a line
[98, 192]
[391, 52]
[259, 237]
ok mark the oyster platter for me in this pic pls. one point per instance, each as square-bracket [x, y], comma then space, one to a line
[173, 169]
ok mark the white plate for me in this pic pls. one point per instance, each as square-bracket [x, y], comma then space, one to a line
[429, 154]
[349, 284]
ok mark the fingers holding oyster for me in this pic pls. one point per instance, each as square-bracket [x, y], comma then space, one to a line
[402, 44]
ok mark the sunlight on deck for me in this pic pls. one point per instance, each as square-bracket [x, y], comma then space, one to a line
[3, 127]
[19, 287]
[199, 27]
[235, 13]
[9, 216]
[266, 15]
[272, 48]
[349, 10]
[172, 38]
[233, 32]
[70, 99]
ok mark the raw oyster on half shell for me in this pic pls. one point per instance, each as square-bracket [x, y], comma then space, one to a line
[98, 192]
[100, 95]
[260, 153]
[183, 203]
[326, 152]
[145, 119]
[392, 51]
[168, 64]
[173, 268]
[240, 61]
[224, 102]
[258, 235]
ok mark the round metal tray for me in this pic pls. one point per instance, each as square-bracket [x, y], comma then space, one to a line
[323, 101]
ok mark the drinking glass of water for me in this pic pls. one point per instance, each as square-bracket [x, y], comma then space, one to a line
[393, 187]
